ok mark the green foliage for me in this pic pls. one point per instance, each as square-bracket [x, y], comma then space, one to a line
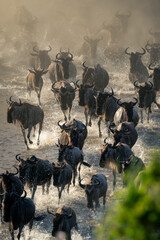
[137, 216]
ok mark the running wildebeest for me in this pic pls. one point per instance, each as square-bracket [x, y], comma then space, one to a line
[97, 76]
[10, 183]
[154, 52]
[35, 81]
[62, 176]
[95, 189]
[156, 77]
[65, 95]
[121, 159]
[146, 96]
[27, 116]
[126, 133]
[138, 72]
[34, 172]
[73, 156]
[40, 58]
[126, 113]
[64, 220]
[106, 107]
[87, 100]
[74, 132]
[62, 68]
[17, 212]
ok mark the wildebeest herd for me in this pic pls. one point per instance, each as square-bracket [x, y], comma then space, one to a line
[119, 116]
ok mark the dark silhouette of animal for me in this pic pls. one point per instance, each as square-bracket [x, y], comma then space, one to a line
[74, 132]
[17, 212]
[34, 172]
[146, 96]
[156, 77]
[35, 82]
[121, 159]
[125, 133]
[87, 100]
[97, 76]
[62, 176]
[106, 107]
[95, 189]
[65, 94]
[126, 113]
[9, 183]
[62, 68]
[138, 72]
[154, 52]
[73, 156]
[40, 58]
[64, 220]
[27, 116]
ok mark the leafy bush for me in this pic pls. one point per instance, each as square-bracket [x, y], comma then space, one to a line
[137, 216]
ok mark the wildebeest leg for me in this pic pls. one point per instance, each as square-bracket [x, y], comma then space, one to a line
[99, 126]
[11, 230]
[34, 130]
[148, 114]
[86, 115]
[39, 95]
[69, 115]
[74, 176]
[29, 132]
[69, 235]
[43, 189]
[65, 117]
[141, 116]
[90, 117]
[30, 225]
[48, 185]
[24, 135]
[40, 129]
[97, 203]
[20, 230]
[104, 199]
[68, 187]
[34, 189]
[114, 179]
[60, 193]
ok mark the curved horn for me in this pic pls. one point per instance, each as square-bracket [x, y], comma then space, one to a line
[118, 102]
[10, 99]
[127, 52]
[34, 49]
[136, 101]
[74, 85]
[58, 56]
[81, 185]
[25, 194]
[105, 140]
[112, 92]
[77, 83]
[96, 183]
[135, 84]
[59, 124]
[112, 131]
[16, 172]
[53, 88]
[50, 49]
[18, 159]
[84, 65]
[144, 51]
[71, 55]
[151, 85]
[150, 67]
[20, 103]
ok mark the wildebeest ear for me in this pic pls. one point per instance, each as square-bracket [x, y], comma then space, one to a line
[31, 71]
[45, 72]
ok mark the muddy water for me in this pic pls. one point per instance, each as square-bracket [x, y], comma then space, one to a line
[11, 143]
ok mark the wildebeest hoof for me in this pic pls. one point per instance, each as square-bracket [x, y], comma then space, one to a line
[30, 142]
[90, 124]
[37, 143]
[100, 135]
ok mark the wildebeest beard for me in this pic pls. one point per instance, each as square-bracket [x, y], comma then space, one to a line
[129, 114]
[9, 115]
[81, 97]
[65, 65]
[63, 97]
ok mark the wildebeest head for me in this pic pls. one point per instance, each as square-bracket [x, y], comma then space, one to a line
[11, 105]
[62, 150]
[135, 58]
[82, 91]
[27, 168]
[92, 44]
[100, 100]
[143, 91]
[7, 180]
[58, 170]
[90, 190]
[123, 18]
[128, 107]
[88, 74]
[43, 56]
[65, 58]
[38, 73]
[115, 156]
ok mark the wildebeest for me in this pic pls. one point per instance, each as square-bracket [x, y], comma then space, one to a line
[64, 220]
[106, 106]
[62, 68]
[156, 77]
[87, 100]
[126, 113]
[138, 72]
[65, 94]
[126, 133]
[146, 96]
[27, 116]
[95, 189]
[10, 183]
[35, 81]
[62, 176]
[121, 159]
[17, 212]
[97, 76]
[74, 131]
[40, 58]
[73, 156]
[34, 172]
[154, 51]
[156, 36]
